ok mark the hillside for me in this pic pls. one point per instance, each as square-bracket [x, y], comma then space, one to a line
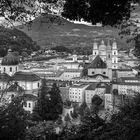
[62, 32]
[16, 40]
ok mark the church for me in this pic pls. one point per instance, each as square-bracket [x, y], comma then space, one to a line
[14, 82]
[103, 61]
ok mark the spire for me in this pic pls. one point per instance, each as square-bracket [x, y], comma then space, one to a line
[102, 42]
[114, 45]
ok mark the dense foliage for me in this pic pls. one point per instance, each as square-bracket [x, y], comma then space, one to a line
[16, 40]
[13, 120]
[107, 12]
[49, 105]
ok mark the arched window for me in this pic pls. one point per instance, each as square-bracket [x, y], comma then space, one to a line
[4, 69]
[10, 69]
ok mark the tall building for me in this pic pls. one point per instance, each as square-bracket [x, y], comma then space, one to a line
[107, 51]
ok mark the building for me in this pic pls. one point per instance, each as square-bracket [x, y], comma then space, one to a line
[11, 73]
[77, 93]
[71, 73]
[100, 89]
[98, 69]
[10, 64]
[108, 53]
[30, 102]
[128, 85]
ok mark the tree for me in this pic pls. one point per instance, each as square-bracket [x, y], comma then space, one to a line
[82, 108]
[107, 12]
[13, 120]
[49, 105]
[41, 108]
[96, 102]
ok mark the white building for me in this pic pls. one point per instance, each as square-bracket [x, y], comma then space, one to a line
[77, 93]
[108, 52]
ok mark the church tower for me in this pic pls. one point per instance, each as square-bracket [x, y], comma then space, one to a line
[109, 54]
[95, 49]
[114, 55]
[102, 50]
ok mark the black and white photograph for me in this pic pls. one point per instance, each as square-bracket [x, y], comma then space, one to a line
[69, 70]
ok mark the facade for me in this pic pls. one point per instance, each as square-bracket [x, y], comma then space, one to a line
[77, 93]
[30, 102]
[99, 67]
[100, 89]
[108, 52]
[71, 73]
[128, 85]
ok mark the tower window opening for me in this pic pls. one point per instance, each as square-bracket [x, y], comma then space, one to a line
[10, 69]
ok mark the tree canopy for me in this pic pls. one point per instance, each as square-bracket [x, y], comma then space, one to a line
[49, 105]
[107, 12]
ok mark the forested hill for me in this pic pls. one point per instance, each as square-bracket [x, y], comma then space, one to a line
[16, 40]
[50, 31]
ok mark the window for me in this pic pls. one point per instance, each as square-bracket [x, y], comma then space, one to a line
[38, 85]
[4, 69]
[10, 69]
[95, 53]
[104, 72]
[109, 56]
[29, 105]
[25, 105]
[16, 69]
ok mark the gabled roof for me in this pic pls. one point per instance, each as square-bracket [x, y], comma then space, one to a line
[97, 63]
[25, 76]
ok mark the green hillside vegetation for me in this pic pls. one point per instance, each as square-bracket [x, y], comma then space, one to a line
[50, 31]
[16, 40]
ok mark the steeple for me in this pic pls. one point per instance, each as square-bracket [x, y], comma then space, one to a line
[114, 45]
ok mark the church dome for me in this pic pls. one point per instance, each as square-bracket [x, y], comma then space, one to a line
[10, 59]
[102, 46]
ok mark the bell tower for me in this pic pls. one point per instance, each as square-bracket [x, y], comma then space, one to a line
[114, 55]
[95, 49]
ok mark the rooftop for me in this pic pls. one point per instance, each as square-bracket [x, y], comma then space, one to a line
[97, 63]
[25, 76]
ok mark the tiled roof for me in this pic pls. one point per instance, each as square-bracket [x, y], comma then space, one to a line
[25, 76]
[92, 86]
[15, 88]
[30, 97]
[4, 77]
[98, 63]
